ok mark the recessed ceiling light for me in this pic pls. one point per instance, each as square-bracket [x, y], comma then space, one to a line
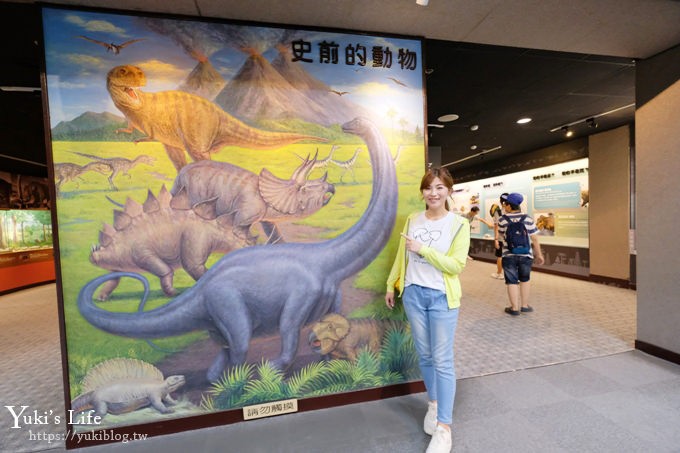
[523, 120]
[474, 127]
[448, 118]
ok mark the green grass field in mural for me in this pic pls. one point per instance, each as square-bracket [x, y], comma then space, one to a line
[82, 208]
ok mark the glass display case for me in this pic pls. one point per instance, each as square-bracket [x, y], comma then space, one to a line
[26, 255]
[25, 229]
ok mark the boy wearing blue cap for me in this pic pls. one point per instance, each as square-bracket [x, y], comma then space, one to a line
[520, 250]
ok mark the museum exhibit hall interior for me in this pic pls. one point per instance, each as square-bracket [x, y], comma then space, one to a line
[201, 202]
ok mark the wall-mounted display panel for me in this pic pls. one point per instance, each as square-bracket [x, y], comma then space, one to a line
[556, 196]
[226, 195]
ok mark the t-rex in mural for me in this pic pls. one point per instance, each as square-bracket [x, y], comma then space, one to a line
[264, 289]
[185, 122]
[163, 234]
[249, 198]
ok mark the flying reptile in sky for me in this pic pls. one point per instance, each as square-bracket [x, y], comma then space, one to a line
[339, 93]
[397, 81]
[111, 47]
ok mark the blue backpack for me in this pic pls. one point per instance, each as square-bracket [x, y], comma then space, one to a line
[517, 237]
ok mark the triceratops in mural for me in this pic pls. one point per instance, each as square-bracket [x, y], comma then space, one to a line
[260, 290]
[249, 198]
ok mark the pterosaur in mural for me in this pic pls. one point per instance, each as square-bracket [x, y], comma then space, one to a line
[397, 81]
[111, 47]
[264, 289]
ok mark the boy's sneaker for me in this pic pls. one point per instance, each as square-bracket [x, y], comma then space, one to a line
[441, 441]
[430, 422]
[497, 276]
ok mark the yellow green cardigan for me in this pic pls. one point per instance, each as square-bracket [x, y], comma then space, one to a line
[450, 264]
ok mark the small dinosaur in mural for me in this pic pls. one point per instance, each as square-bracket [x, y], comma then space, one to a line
[263, 289]
[183, 121]
[249, 198]
[119, 164]
[163, 234]
[348, 165]
[122, 385]
[321, 163]
[337, 337]
[67, 171]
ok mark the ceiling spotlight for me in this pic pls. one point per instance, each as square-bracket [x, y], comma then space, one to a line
[473, 147]
[474, 127]
[448, 118]
[523, 120]
[591, 122]
[422, 2]
[567, 132]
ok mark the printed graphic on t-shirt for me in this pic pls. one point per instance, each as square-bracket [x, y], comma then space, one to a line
[424, 236]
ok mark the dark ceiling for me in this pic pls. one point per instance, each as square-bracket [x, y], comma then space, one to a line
[492, 87]
[21, 118]
[488, 86]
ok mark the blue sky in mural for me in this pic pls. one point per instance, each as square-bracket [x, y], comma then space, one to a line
[77, 68]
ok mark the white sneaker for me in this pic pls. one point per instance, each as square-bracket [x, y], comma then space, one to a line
[497, 276]
[430, 422]
[441, 441]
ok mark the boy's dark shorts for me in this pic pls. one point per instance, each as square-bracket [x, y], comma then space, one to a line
[499, 251]
[517, 268]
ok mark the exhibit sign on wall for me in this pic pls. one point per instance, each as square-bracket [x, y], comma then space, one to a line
[226, 196]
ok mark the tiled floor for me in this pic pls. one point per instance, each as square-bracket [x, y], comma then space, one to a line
[603, 396]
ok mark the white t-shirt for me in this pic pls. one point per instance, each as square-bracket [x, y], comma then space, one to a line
[437, 234]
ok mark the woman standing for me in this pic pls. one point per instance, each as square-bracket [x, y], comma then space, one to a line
[431, 254]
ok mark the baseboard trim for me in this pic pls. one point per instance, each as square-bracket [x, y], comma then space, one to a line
[21, 288]
[658, 351]
[611, 281]
[618, 282]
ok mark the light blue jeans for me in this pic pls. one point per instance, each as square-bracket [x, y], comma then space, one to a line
[433, 327]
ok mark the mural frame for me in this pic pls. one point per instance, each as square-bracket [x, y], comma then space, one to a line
[99, 182]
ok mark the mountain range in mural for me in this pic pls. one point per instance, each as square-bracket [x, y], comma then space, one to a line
[92, 126]
[260, 91]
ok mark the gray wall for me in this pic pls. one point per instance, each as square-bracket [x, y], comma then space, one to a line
[609, 208]
[657, 152]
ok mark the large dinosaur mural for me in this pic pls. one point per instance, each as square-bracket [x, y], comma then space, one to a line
[183, 121]
[264, 289]
[248, 198]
